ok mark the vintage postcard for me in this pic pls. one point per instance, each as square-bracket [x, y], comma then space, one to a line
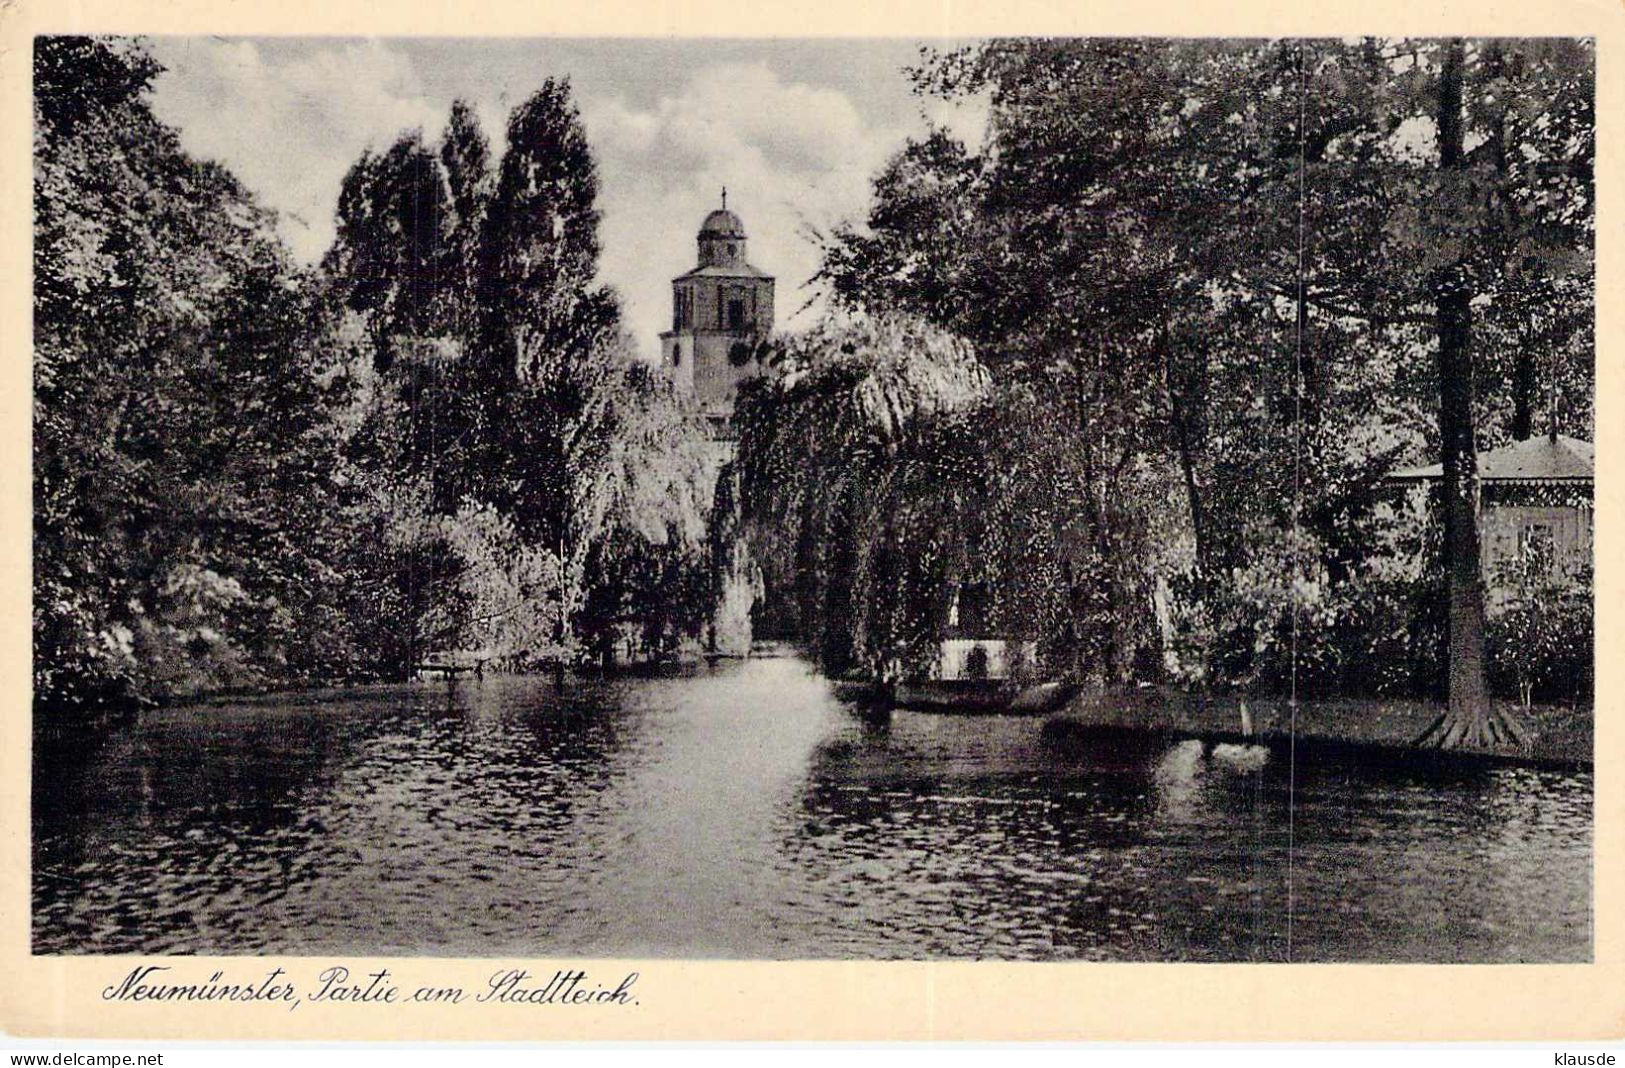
[682, 523]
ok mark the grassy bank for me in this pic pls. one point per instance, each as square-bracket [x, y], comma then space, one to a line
[1559, 734]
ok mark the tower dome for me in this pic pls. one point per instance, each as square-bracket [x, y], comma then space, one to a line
[722, 238]
[722, 223]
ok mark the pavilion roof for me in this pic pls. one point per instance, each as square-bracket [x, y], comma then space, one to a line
[1547, 458]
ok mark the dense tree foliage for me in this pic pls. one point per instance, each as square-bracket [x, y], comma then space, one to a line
[559, 481]
[249, 473]
[1122, 381]
[818, 443]
[1228, 286]
[184, 447]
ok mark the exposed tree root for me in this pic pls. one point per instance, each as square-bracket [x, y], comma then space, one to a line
[1489, 728]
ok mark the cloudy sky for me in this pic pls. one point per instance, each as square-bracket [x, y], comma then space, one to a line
[794, 129]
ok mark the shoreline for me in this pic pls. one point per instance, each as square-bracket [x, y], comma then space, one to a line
[123, 712]
[1338, 729]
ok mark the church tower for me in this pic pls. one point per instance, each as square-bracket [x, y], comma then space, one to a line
[721, 312]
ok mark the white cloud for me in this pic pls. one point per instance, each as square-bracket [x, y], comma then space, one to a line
[792, 156]
[289, 118]
[290, 126]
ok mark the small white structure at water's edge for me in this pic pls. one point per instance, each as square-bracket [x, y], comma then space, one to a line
[979, 658]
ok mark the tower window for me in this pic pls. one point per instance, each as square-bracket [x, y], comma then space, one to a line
[736, 314]
[677, 354]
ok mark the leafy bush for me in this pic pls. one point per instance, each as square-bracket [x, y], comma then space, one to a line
[1540, 644]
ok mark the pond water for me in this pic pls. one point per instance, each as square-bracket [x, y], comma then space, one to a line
[744, 812]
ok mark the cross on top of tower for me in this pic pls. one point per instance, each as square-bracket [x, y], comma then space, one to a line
[724, 198]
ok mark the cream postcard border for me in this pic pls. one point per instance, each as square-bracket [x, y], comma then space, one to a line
[687, 1000]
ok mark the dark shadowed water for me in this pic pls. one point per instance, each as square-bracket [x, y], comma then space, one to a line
[744, 812]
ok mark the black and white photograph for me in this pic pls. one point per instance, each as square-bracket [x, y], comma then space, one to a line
[1113, 499]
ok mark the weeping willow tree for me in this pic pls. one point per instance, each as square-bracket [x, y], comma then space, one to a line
[818, 441]
[883, 471]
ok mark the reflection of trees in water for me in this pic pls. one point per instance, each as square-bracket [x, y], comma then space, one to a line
[1532, 820]
[196, 809]
[520, 751]
[740, 812]
[1128, 850]
[919, 832]
[205, 821]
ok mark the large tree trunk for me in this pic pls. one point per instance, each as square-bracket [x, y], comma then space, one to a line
[1181, 418]
[1467, 715]
[1468, 719]
[1523, 391]
[1524, 382]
